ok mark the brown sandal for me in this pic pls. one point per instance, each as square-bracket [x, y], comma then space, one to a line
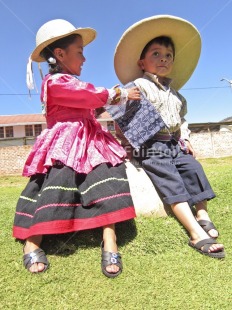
[203, 248]
[36, 256]
[207, 226]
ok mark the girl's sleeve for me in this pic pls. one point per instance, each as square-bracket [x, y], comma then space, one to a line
[67, 90]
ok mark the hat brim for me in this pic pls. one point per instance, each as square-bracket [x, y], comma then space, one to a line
[87, 34]
[186, 39]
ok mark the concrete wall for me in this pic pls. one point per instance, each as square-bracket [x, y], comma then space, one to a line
[7, 142]
[212, 144]
[12, 159]
[206, 145]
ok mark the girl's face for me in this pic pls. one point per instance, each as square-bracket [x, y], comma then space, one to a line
[71, 59]
[158, 60]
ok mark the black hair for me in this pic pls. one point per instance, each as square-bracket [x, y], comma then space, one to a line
[162, 40]
[47, 52]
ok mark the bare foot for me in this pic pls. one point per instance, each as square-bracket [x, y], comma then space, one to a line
[214, 248]
[208, 227]
[31, 245]
[204, 220]
[213, 233]
[111, 246]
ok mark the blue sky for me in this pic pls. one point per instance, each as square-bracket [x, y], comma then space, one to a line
[209, 99]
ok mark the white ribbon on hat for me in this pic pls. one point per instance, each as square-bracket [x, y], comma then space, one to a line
[30, 79]
[30, 76]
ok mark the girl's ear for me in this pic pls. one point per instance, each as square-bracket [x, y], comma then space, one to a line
[58, 53]
[140, 64]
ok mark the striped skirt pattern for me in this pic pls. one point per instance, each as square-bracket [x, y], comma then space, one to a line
[63, 201]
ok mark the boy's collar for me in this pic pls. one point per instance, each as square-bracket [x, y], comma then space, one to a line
[155, 79]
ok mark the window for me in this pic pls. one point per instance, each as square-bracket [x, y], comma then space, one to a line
[38, 129]
[1, 132]
[9, 132]
[29, 131]
[110, 126]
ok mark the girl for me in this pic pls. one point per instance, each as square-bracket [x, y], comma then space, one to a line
[76, 169]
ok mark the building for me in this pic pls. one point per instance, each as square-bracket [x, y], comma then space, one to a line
[23, 129]
[20, 129]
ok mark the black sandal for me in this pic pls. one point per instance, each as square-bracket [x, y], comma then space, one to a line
[207, 226]
[37, 256]
[203, 248]
[110, 258]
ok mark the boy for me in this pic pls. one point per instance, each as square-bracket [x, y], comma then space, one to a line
[159, 54]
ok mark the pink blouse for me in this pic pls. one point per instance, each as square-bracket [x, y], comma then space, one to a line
[73, 135]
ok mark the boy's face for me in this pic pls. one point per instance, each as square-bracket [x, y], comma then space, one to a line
[158, 60]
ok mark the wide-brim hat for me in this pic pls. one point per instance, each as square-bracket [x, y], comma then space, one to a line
[186, 39]
[56, 29]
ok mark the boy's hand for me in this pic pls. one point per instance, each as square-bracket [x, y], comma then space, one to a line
[133, 93]
[190, 148]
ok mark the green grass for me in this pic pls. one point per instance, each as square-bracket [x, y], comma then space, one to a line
[160, 270]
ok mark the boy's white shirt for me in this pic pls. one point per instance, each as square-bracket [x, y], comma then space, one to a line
[169, 103]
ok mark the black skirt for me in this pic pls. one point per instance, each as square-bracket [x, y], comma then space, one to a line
[64, 201]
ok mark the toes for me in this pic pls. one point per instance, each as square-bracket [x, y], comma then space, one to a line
[216, 247]
[41, 267]
[36, 268]
[112, 268]
[213, 233]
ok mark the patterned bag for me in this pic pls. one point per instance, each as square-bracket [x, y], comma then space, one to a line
[138, 120]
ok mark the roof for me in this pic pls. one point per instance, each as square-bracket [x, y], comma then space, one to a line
[228, 119]
[211, 126]
[22, 119]
[30, 119]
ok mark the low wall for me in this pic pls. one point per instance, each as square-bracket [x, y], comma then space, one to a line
[206, 145]
[212, 144]
[12, 159]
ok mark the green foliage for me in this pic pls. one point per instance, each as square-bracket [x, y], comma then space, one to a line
[160, 270]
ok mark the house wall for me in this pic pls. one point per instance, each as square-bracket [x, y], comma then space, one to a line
[19, 131]
[19, 137]
[225, 128]
[206, 145]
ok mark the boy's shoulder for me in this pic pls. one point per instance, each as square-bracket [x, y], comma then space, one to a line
[140, 83]
[143, 81]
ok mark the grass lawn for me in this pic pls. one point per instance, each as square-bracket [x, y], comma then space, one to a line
[160, 270]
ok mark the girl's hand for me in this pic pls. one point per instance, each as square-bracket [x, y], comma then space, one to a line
[133, 93]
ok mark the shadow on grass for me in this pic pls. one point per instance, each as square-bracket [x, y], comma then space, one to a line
[67, 244]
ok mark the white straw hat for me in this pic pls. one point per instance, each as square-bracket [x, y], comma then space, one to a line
[56, 29]
[186, 39]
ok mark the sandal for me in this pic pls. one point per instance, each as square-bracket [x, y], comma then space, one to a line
[207, 226]
[110, 258]
[37, 256]
[203, 248]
